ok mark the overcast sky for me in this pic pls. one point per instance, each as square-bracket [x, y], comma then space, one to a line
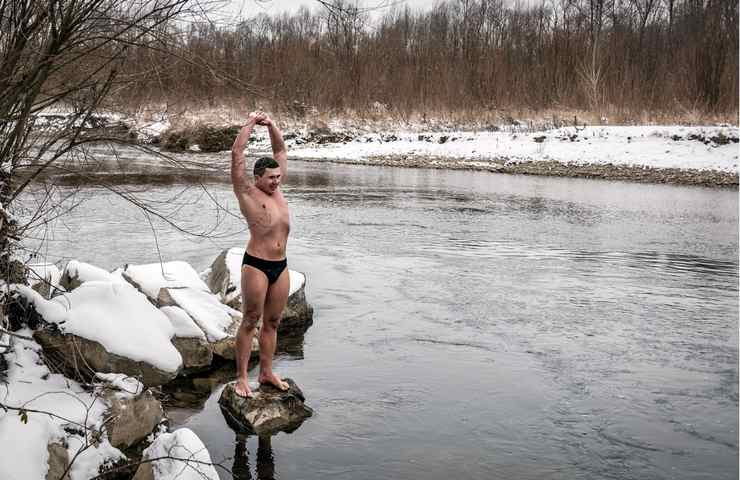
[248, 8]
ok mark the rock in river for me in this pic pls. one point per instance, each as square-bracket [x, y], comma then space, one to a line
[270, 410]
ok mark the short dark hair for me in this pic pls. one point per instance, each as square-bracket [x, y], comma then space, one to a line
[263, 164]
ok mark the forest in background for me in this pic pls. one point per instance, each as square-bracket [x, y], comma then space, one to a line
[622, 58]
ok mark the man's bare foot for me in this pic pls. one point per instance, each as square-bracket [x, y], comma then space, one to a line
[241, 387]
[275, 381]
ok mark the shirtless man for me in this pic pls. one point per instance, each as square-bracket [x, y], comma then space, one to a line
[265, 278]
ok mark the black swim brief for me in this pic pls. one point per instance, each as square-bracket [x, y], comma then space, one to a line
[271, 268]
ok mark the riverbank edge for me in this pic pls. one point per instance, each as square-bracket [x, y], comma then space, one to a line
[550, 168]
[322, 143]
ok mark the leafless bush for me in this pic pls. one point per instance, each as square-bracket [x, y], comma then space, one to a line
[640, 55]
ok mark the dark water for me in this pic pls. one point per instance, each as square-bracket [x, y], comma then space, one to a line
[474, 325]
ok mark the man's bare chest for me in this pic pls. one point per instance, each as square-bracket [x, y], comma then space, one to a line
[269, 213]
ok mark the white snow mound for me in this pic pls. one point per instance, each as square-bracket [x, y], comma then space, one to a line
[86, 272]
[117, 316]
[154, 276]
[190, 458]
[184, 326]
[213, 317]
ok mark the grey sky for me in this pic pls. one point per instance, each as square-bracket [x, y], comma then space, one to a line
[248, 8]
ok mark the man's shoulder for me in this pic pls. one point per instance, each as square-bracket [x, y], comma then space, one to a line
[252, 191]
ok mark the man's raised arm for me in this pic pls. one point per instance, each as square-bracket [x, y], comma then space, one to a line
[279, 152]
[239, 179]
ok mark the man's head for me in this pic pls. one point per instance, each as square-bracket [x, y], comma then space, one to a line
[267, 174]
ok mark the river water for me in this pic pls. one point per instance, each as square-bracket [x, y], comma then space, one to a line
[472, 325]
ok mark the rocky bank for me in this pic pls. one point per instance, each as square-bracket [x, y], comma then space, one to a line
[92, 348]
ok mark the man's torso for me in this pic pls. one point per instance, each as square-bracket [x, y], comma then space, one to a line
[269, 223]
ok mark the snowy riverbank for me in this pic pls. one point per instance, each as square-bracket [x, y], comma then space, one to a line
[664, 154]
[699, 155]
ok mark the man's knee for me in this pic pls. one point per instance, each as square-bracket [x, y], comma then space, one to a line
[271, 321]
[250, 318]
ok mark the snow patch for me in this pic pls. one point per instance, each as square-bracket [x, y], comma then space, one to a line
[126, 386]
[184, 326]
[191, 458]
[641, 146]
[212, 316]
[86, 272]
[152, 277]
[88, 464]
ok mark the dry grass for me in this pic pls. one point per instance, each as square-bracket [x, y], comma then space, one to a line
[183, 117]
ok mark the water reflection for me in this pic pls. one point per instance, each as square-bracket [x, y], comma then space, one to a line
[265, 459]
[291, 346]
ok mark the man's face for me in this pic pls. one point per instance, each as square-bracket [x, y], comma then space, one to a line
[269, 181]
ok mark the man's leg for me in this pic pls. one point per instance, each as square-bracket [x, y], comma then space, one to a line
[277, 297]
[254, 290]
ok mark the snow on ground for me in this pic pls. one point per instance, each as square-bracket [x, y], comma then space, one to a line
[31, 385]
[88, 464]
[154, 276]
[642, 146]
[148, 130]
[190, 458]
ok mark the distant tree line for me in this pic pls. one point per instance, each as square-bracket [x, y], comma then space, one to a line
[636, 55]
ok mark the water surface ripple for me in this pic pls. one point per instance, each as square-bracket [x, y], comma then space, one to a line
[474, 325]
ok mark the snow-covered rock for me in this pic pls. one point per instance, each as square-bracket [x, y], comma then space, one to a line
[224, 279]
[188, 458]
[76, 273]
[224, 276]
[189, 339]
[134, 413]
[108, 327]
[133, 418]
[218, 322]
[151, 278]
[44, 278]
[268, 412]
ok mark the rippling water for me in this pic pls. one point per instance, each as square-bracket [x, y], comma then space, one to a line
[474, 325]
